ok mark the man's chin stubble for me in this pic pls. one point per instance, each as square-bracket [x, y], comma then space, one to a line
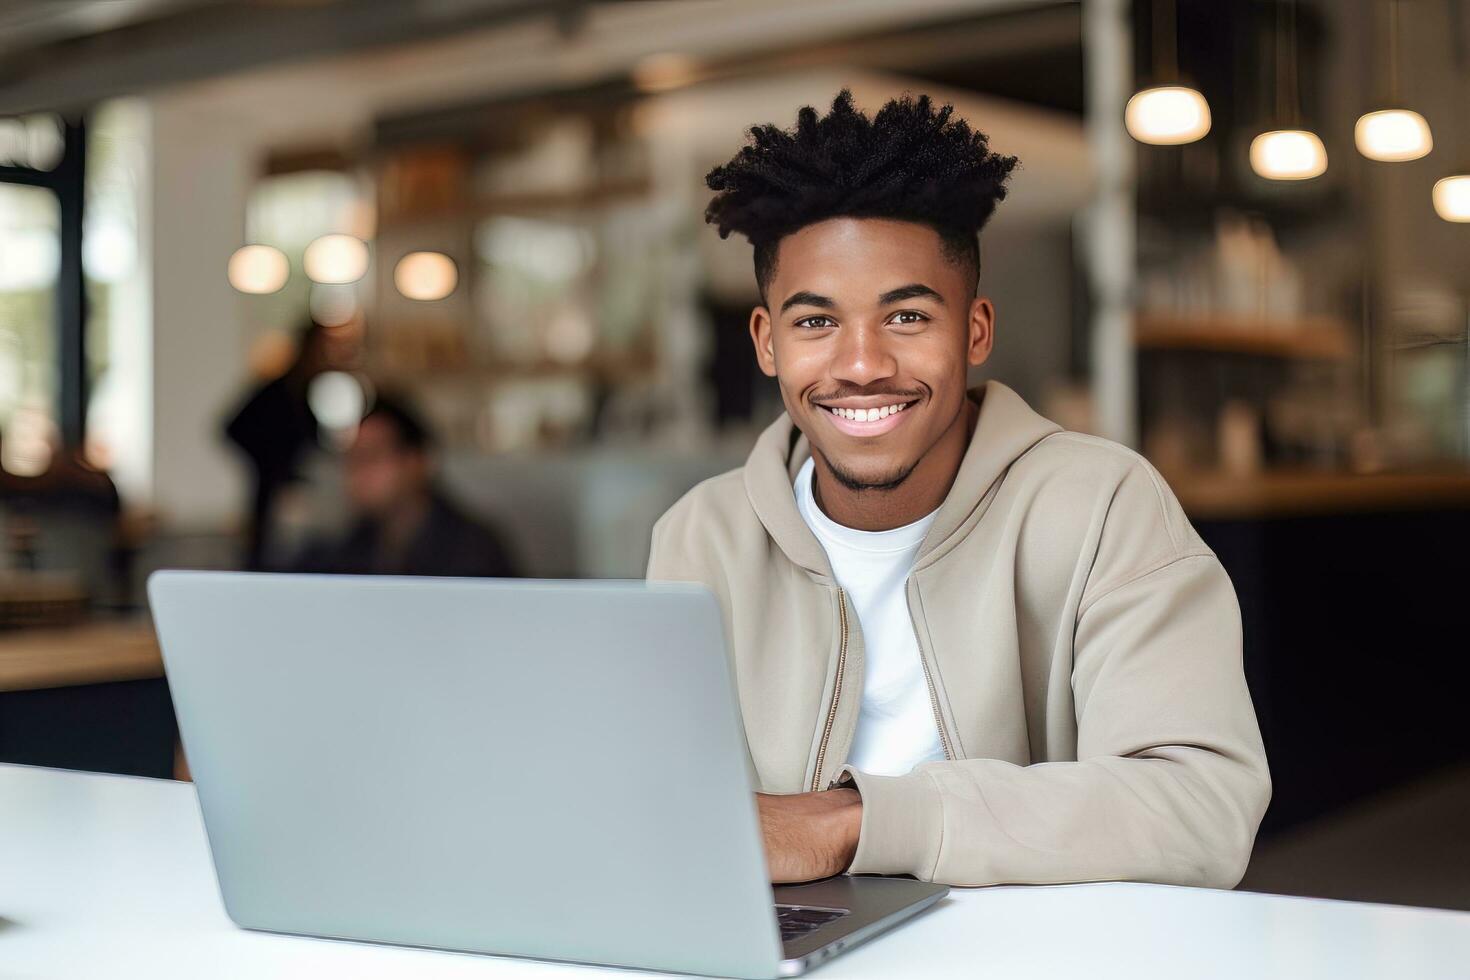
[860, 485]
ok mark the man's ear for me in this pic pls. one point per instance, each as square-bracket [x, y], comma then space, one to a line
[981, 331]
[760, 336]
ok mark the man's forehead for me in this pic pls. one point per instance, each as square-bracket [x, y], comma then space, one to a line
[857, 259]
[820, 239]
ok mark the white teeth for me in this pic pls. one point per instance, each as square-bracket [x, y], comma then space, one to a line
[868, 414]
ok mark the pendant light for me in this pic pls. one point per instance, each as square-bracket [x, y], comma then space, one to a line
[1288, 152]
[1452, 194]
[336, 259]
[1393, 134]
[1169, 112]
[425, 276]
[258, 269]
[1452, 197]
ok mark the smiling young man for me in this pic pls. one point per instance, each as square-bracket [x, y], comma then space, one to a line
[969, 646]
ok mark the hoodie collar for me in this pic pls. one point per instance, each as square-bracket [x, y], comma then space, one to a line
[1006, 428]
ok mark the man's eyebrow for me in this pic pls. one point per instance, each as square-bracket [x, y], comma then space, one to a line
[913, 290]
[804, 298]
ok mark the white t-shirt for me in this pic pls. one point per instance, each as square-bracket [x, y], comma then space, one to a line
[896, 729]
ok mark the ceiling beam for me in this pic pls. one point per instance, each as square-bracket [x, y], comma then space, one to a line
[213, 39]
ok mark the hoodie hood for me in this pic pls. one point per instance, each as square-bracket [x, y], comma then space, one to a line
[1006, 428]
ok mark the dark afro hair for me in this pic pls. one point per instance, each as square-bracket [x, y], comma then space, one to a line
[912, 162]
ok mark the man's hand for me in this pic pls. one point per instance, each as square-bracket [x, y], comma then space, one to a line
[810, 835]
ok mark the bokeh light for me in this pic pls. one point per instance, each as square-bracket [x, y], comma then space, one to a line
[336, 259]
[1452, 198]
[337, 400]
[426, 275]
[259, 269]
[1288, 154]
[28, 444]
[1393, 135]
[1167, 115]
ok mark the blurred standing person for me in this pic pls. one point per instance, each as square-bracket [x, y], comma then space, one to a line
[405, 525]
[274, 428]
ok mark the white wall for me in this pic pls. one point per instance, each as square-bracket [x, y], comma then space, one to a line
[203, 164]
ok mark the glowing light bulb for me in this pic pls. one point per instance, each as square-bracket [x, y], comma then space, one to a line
[258, 269]
[1288, 154]
[336, 259]
[1393, 135]
[1452, 198]
[1167, 114]
[425, 275]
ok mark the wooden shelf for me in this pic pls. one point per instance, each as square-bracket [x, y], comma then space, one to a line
[1310, 338]
[1213, 495]
[94, 653]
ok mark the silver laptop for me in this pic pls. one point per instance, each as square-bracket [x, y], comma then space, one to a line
[543, 769]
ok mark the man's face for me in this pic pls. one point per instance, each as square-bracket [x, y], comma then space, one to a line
[869, 330]
[381, 472]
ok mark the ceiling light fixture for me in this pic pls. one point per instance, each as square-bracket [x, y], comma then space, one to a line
[1167, 113]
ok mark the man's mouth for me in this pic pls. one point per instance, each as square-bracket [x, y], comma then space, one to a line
[867, 414]
[868, 419]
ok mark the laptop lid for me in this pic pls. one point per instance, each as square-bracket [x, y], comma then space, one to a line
[547, 769]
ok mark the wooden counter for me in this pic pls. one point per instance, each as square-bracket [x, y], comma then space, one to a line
[70, 656]
[1214, 496]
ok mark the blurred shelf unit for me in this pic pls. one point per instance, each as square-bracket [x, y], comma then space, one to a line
[610, 370]
[40, 599]
[553, 220]
[1307, 338]
[475, 208]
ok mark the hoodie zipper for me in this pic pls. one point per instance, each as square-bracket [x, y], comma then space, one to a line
[933, 693]
[836, 689]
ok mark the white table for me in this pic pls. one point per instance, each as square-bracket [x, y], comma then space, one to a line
[110, 876]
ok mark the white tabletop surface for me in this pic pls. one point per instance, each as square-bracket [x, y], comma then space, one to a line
[110, 876]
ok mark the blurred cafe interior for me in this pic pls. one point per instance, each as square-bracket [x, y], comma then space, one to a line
[269, 265]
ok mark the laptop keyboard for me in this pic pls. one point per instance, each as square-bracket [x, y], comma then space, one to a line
[801, 920]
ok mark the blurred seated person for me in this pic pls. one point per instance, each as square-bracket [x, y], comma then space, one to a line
[404, 524]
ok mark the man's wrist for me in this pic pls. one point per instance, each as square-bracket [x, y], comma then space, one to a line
[848, 819]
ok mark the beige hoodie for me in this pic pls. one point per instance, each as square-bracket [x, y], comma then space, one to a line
[1081, 644]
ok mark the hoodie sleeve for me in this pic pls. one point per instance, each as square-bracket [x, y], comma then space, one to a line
[1170, 778]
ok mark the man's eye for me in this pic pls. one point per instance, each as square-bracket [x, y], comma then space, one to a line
[909, 316]
[814, 322]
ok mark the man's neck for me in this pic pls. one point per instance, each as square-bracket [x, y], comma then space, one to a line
[916, 497]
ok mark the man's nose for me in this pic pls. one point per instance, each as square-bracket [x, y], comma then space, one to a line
[862, 356]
